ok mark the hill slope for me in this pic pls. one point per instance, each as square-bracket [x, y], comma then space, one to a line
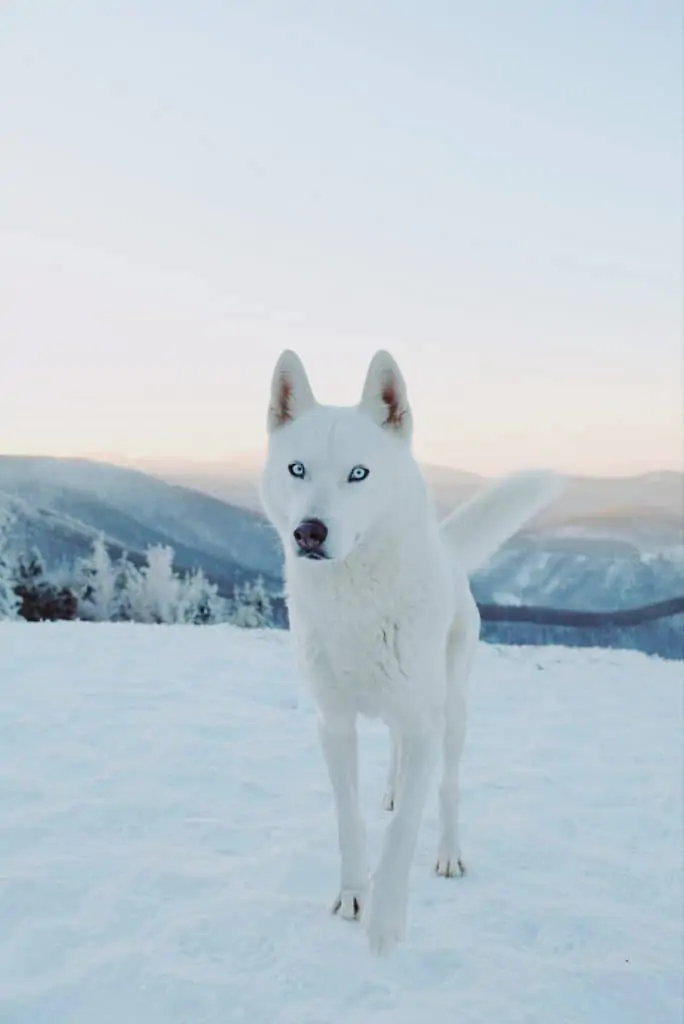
[135, 510]
[169, 850]
[589, 554]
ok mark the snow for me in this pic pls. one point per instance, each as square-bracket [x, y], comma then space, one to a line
[168, 849]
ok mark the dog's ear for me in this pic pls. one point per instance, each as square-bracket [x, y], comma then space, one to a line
[384, 396]
[291, 393]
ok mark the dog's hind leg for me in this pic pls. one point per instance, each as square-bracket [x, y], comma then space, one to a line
[340, 747]
[390, 796]
[460, 656]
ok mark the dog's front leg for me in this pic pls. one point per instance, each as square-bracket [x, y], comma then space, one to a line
[390, 794]
[340, 747]
[386, 919]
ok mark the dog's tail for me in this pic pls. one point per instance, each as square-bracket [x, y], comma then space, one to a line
[476, 529]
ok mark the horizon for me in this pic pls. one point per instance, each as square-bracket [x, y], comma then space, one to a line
[439, 182]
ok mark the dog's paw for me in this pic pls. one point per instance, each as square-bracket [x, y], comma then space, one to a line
[450, 867]
[388, 800]
[385, 922]
[349, 904]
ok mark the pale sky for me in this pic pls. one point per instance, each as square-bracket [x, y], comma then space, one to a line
[491, 190]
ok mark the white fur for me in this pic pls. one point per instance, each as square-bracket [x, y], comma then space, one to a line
[386, 625]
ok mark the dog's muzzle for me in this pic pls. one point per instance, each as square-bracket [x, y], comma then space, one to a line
[310, 537]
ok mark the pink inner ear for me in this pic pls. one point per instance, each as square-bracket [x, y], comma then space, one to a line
[284, 408]
[395, 414]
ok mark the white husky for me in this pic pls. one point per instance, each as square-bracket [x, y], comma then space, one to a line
[381, 612]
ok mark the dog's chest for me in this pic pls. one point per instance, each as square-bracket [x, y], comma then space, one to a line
[358, 652]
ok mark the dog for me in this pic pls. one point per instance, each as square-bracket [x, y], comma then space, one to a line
[381, 613]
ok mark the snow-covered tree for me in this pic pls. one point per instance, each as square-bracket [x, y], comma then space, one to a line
[30, 579]
[9, 601]
[42, 599]
[154, 593]
[157, 599]
[199, 602]
[129, 592]
[252, 607]
[98, 589]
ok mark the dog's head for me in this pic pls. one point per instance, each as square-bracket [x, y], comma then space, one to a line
[335, 477]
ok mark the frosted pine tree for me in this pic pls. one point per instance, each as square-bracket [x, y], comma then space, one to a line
[199, 603]
[252, 607]
[98, 585]
[129, 593]
[160, 587]
[9, 601]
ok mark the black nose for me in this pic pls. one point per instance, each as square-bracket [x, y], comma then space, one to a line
[310, 535]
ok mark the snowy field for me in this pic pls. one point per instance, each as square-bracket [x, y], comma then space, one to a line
[168, 849]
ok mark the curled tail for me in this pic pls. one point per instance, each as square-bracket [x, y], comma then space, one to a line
[478, 528]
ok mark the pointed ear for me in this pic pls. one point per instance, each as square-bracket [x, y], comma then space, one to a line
[291, 393]
[384, 396]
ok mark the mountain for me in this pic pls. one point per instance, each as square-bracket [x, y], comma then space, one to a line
[607, 544]
[580, 573]
[61, 504]
[233, 480]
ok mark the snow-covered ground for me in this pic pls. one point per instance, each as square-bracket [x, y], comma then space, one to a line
[168, 848]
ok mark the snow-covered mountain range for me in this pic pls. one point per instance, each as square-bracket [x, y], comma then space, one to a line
[608, 543]
[60, 505]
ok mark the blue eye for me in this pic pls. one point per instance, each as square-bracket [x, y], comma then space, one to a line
[297, 470]
[357, 474]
